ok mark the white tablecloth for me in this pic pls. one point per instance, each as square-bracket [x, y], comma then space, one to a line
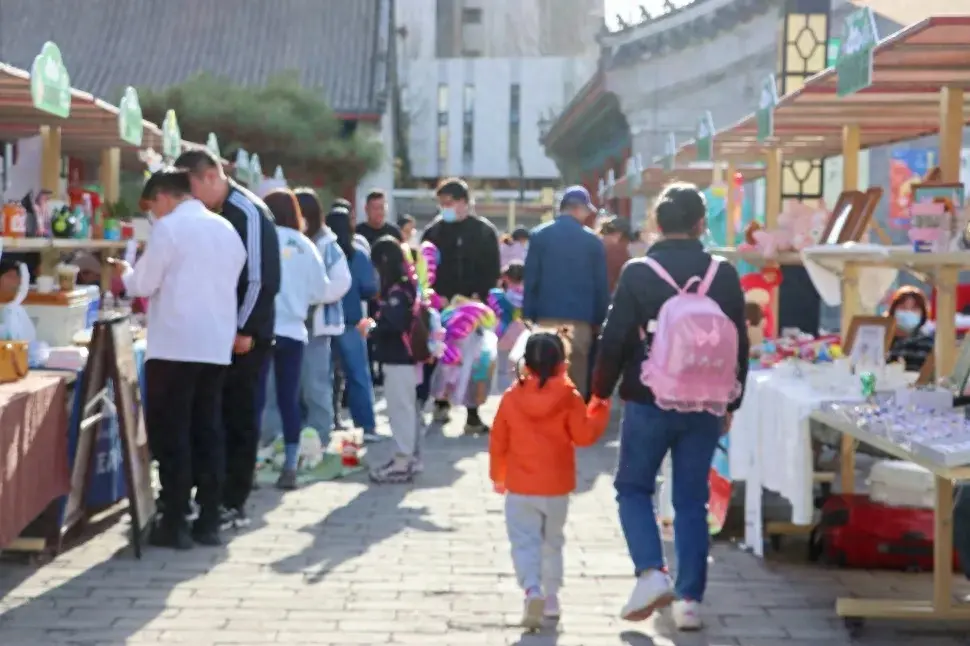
[771, 442]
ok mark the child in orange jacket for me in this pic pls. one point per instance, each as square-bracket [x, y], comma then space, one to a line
[540, 421]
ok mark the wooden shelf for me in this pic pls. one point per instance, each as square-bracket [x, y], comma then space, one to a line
[61, 244]
[757, 258]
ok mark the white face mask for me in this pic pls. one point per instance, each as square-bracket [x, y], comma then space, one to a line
[907, 320]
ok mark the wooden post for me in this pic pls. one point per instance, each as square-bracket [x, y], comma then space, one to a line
[850, 309]
[730, 206]
[851, 142]
[109, 174]
[772, 189]
[947, 279]
[50, 160]
[951, 135]
[511, 216]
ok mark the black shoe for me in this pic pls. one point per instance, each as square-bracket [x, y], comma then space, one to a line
[287, 480]
[234, 518]
[164, 535]
[207, 537]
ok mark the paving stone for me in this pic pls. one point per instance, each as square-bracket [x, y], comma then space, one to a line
[347, 562]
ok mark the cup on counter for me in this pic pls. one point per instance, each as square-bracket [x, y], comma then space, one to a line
[45, 284]
[67, 277]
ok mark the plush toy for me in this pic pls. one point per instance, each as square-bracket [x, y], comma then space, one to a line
[800, 225]
[760, 289]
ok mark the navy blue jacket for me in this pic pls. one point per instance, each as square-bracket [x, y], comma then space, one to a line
[394, 317]
[363, 287]
[565, 273]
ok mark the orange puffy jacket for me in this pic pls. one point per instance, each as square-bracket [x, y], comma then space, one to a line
[534, 435]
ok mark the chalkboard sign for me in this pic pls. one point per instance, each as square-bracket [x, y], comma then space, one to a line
[123, 372]
[111, 360]
[93, 391]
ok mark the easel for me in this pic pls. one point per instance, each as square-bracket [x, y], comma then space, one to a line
[111, 357]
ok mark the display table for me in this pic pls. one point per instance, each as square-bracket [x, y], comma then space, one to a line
[942, 605]
[33, 451]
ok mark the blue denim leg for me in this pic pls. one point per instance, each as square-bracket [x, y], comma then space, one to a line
[287, 361]
[645, 438]
[360, 390]
[272, 423]
[693, 447]
[317, 387]
[647, 434]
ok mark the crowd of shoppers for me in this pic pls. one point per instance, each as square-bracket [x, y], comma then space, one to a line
[295, 297]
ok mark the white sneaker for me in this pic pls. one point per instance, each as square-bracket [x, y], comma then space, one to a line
[652, 591]
[687, 615]
[552, 609]
[532, 612]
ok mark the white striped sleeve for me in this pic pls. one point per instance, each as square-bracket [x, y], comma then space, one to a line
[254, 245]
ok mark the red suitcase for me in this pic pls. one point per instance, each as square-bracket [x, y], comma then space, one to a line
[856, 532]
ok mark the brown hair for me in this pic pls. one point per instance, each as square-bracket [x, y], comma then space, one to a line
[375, 194]
[915, 294]
[286, 209]
[312, 210]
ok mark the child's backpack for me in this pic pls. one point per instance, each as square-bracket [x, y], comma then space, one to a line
[692, 362]
[418, 337]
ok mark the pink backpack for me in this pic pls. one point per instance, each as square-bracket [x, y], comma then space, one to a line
[692, 363]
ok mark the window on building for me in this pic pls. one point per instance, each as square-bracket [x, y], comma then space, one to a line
[468, 122]
[515, 108]
[471, 16]
[442, 125]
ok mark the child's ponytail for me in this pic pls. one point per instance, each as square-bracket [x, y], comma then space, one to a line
[545, 352]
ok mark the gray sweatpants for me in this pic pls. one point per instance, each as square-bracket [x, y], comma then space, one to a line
[535, 526]
[400, 393]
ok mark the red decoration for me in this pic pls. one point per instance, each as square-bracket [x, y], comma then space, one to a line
[762, 289]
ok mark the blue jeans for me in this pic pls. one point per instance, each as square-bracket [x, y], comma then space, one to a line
[351, 349]
[286, 367]
[647, 434]
[317, 387]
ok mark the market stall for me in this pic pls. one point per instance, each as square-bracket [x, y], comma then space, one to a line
[62, 218]
[903, 87]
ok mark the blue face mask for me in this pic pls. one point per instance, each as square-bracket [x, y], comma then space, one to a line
[449, 215]
[907, 320]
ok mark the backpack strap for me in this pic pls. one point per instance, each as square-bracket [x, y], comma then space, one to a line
[709, 277]
[660, 271]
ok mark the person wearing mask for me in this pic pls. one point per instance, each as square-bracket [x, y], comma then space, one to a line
[565, 279]
[259, 282]
[350, 347]
[375, 224]
[469, 264]
[303, 284]
[514, 247]
[616, 236]
[409, 231]
[655, 424]
[192, 329]
[911, 343]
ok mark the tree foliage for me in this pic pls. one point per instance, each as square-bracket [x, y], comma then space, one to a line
[287, 124]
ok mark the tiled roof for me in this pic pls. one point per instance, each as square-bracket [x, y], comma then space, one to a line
[339, 46]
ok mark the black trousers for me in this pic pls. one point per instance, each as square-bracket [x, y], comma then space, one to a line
[239, 398]
[183, 409]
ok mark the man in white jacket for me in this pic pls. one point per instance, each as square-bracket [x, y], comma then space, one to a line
[191, 330]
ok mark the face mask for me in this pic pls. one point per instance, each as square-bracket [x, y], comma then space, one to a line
[907, 320]
[449, 215]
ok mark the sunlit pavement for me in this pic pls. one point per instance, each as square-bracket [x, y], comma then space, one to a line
[346, 562]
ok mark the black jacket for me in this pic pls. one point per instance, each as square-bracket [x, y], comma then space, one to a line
[394, 315]
[636, 302]
[469, 263]
[372, 235]
[260, 278]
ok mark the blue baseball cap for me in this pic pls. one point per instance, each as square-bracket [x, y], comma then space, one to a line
[576, 195]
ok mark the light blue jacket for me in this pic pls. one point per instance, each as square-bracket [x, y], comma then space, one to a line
[328, 319]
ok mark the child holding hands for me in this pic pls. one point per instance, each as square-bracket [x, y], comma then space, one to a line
[540, 421]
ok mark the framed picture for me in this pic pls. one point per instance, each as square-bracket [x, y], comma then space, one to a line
[837, 230]
[957, 381]
[859, 221]
[868, 339]
[953, 192]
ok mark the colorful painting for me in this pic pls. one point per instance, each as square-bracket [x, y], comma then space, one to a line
[906, 167]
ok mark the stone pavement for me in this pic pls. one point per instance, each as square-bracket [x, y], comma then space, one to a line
[350, 563]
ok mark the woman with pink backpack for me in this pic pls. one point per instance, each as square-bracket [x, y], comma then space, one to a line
[675, 337]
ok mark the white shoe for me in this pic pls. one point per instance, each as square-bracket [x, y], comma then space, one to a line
[552, 609]
[687, 615]
[652, 591]
[532, 612]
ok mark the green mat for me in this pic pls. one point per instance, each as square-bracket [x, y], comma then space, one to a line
[330, 468]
